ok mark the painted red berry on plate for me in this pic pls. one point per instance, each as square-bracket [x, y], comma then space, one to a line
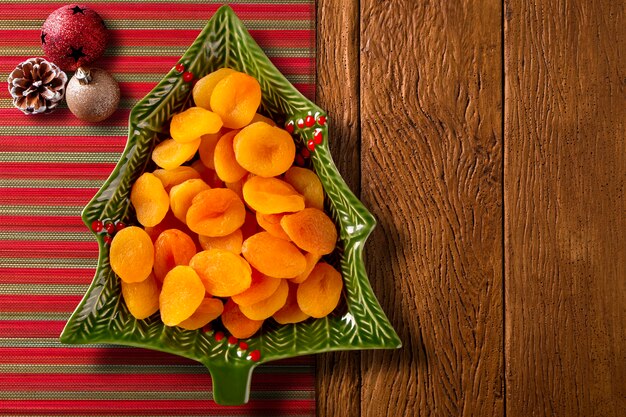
[119, 226]
[300, 123]
[219, 336]
[311, 145]
[305, 153]
[321, 120]
[289, 127]
[232, 340]
[243, 346]
[317, 137]
[255, 355]
[180, 67]
[96, 226]
[309, 121]
[109, 227]
[187, 76]
[107, 240]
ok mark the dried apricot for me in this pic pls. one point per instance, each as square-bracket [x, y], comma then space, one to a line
[311, 230]
[191, 124]
[266, 308]
[209, 310]
[237, 324]
[319, 294]
[222, 272]
[224, 160]
[172, 248]
[307, 183]
[271, 223]
[264, 150]
[236, 99]
[271, 196]
[141, 298]
[204, 87]
[170, 154]
[261, 288]
[231, 242]
[311, 261]
[181, 295]
[207, 147]
[258, 117]
[149, 199]
[273, 256]
[175, 176]
[290, 312]
[216, 212]
[132, 254]
[182, 195]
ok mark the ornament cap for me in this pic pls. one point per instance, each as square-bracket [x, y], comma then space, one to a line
[83, 75]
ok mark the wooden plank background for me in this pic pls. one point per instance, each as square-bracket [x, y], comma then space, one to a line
[489, 139]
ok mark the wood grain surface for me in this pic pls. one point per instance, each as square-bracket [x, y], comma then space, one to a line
[565, 205]
[338, 374]
[489, 139]
[431, 155]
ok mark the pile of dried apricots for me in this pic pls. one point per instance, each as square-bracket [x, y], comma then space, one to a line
[237, 234]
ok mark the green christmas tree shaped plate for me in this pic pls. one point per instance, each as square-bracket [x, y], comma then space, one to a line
[102, 316]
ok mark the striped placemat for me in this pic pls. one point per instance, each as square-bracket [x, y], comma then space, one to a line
[51, 165]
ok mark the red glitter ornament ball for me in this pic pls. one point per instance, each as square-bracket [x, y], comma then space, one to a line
[72, 36]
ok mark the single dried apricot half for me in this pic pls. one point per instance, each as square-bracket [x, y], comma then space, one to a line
[204, 87]
[261, 288]
[237, 324]
[132, 254]
[264, 309]
[222, 272]
[189, 125]
[311, 230]
[311, 261]
[170, 154]
[224, 160]
[181, 295]
[172, 248]
[150, 200]
[273, 256]
[264, 150]
[236, 99]
[319, 294]
[216, 212]
[209, 310]
[271, 223]
[231, 242]
[307, 183]
[290, 312]
[182, 195]
[141, 298]
[175, 176]
[271, 196]
[207, 147]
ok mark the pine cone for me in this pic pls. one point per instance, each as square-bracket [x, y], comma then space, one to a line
[37, 86]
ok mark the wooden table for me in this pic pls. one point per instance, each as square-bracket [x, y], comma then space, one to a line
[489, 139]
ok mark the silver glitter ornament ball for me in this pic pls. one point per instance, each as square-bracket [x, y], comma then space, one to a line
[92, 94]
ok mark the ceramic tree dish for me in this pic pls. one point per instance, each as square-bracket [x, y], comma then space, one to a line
[102, 316]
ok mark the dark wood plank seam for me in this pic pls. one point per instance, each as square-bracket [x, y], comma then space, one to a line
[503, 12]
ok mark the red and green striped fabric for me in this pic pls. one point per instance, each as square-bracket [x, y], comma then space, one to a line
[51, 165]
